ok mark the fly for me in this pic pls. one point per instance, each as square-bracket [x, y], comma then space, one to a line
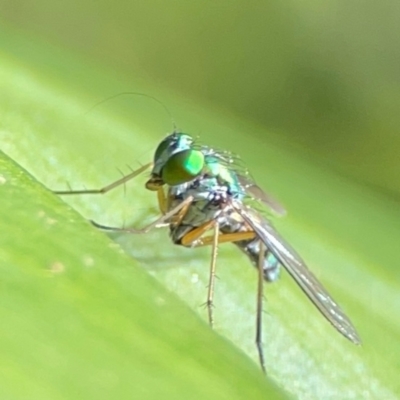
[202, 190]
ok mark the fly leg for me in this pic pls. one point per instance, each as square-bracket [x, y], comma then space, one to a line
[211, 283]
[226, 238]
[109, 187]
[263, 254]
[162, 202]
[161, 221]
[193, 238]
[260, 295]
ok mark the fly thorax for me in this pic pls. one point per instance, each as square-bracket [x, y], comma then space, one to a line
[180, 192]
[225, 176]
[232, 222]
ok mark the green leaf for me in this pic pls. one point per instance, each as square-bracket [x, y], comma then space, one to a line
[82, 319]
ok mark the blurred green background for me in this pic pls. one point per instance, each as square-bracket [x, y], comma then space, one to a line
[306, 93]
[320, 75]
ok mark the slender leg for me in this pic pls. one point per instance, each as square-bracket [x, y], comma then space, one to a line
[155, 224]
[191, 238]
[194, 238]
[226, 238]
[211, 284]
[260, 294]
[109, 187]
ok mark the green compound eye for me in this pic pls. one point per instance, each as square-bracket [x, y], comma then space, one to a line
[182, 167]
[162, 147]
[173, 143]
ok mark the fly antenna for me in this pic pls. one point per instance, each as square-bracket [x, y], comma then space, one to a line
[166, 109]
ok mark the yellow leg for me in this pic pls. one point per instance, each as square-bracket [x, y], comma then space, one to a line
[194, 237]
[227, 237]
[177, 219]
[163, 206]
[196, 233]
[109, 187]
[162, 200]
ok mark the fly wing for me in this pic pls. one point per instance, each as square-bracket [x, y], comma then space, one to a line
[297, 268]
[257, 193]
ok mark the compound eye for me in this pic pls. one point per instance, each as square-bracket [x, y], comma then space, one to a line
[164, 145]
[182, 167]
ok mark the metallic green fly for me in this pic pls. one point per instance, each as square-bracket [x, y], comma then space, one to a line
[202, 190]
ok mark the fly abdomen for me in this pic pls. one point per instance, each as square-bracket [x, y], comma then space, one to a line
[271, 265]
[233, 223]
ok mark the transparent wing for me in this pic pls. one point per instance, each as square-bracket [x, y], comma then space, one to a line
[296, 267]
[257, 193]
